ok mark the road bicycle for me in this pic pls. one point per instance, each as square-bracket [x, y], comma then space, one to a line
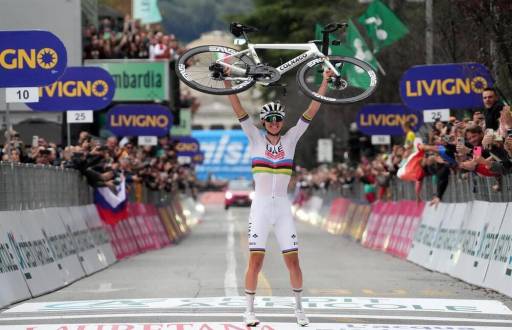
[206, 68]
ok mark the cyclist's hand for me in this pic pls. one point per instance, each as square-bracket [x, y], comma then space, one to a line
[328, 74]
[227, 73]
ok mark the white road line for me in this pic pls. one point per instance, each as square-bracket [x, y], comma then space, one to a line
[230, 282]
[311, 315]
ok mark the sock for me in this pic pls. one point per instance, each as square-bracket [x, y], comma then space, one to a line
[249, 295]
[298, 298]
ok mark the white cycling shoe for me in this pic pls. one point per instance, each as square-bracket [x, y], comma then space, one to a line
[302, 319]
[250, 319]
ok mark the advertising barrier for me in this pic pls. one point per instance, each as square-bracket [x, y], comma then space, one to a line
[387, 119]
[99, 233]
[31, 58]
[61, 243]
[36, 261]
[12, 282]
[137, 80]
[226, 154]
[423, 245]
[477, 238]
[79, 88]
[499, 273]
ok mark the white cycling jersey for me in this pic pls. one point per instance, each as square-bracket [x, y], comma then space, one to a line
[272, 164]
[272, 169]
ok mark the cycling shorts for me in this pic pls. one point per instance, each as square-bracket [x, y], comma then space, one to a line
[265, 213]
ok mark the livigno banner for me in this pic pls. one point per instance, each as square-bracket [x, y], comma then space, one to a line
[139, 120]
[79, 88]
[226, 154]
[30, 58]
[137, 80]
[441, 86]
[387, 119]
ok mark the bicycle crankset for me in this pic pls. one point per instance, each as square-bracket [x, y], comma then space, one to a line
[264, 73]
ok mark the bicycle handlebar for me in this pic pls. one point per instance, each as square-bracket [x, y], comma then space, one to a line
[331, 27]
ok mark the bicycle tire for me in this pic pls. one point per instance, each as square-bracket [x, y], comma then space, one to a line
[354, 92]
[202, 79]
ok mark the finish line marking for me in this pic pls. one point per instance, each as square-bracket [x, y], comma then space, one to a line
[310, 303]
[239, 315]
[236, 326]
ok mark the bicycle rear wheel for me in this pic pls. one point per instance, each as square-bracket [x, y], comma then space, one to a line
[197, 69]
[358, 80]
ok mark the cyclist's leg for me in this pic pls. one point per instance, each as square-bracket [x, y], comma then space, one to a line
[259, 227]
[286, 235]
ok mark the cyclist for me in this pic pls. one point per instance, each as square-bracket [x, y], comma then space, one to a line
[272, 162]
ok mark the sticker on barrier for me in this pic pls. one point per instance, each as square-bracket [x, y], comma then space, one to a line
[447, 253]
[99, 234]
[34, 255]
[477, 238]
[373, 224]
[88, 254]
[14, 287]
[422, 247]
[61, 243]
[499, 274]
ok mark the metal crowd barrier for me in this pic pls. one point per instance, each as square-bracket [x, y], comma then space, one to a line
[462, 187]
[29, 186]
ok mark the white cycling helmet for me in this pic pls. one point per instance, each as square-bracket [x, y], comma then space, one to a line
[272, 109]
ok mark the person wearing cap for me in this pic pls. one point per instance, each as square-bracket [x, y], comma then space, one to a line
[272, 162]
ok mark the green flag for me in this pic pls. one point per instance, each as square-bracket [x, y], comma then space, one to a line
[355, 46]
[147, 11]
[383, 27]
[358, 48]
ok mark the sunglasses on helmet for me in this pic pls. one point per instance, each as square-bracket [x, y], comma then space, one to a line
[273, 118]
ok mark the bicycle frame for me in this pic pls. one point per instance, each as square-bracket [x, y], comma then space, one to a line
[311, 51]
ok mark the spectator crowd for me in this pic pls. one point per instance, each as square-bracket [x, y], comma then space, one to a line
[128, 39]
[480, 143]
[107, 164]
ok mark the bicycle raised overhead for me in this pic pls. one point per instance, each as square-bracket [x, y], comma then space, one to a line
[205, 68]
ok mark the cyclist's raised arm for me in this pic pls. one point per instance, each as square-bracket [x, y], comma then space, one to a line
[314, 105]
[245, 121]
[235, 103]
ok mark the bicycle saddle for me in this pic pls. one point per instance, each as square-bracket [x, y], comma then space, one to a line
[238, 29]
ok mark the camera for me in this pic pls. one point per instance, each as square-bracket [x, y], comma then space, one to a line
[509, 132]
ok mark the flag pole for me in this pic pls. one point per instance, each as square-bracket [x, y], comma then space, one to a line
[381, 69]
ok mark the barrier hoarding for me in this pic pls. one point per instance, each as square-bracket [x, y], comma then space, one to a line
[477, 239]
[439, 86]
[139, 120]
[89, 256]
[30, 58]
[226, 154]
[12, 281]
[387, 119]
[79, 88]
[499, 274]
[61, 244]
[422, 248]
[99, 234]
[137, 80]
[448, 239]
[36, 261]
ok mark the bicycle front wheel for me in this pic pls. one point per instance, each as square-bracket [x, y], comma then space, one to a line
[358, 80]
[199, 68]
